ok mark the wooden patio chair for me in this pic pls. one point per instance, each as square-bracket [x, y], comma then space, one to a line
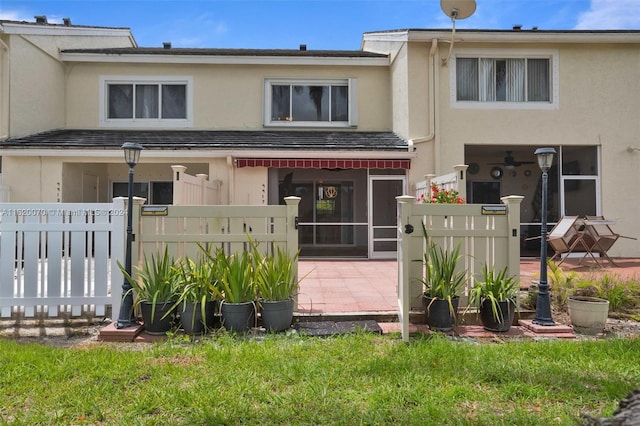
[602, 237]
[565, 237]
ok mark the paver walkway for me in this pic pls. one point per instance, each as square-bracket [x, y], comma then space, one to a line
[360, 285]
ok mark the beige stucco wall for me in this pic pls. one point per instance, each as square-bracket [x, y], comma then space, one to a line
[250, 186]
[228, 97]
[35, 99]
[62, 179]
[37, 89]
[598, 105]
[33, 179]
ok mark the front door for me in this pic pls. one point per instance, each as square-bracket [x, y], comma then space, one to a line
[332, 212]
[383, 238]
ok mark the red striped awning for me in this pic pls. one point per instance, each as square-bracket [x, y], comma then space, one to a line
[319, 163]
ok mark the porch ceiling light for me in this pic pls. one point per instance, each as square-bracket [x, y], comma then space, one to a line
[545, 158]
[131, 153]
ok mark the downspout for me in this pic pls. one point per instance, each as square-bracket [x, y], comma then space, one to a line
[6, 88]
[432, 84]
[230, 178]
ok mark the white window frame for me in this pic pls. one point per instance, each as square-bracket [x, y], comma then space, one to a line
[105, 121]
[551, 54]
[351, 83]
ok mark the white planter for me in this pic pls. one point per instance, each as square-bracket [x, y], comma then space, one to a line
[588, 314]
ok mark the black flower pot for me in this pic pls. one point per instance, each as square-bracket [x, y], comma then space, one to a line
[277, 315]
[238, 317]
[158, 318]
[439, 315]
[192, 320]
[506, 312]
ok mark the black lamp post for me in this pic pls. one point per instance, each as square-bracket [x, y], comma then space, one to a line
[126, 318]
[543, 306]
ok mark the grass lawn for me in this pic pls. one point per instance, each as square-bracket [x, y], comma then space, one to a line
[347, 380]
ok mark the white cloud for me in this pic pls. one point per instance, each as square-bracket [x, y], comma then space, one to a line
[25, 17]
[14, 16]
[610, 15]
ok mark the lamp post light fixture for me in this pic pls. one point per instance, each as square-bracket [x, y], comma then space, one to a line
[126, 318]
[543, 305]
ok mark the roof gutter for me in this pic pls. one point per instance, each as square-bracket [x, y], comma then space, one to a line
[222, 60]
[91, 154]
[509, 36]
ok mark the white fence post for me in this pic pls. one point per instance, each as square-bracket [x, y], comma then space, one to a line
[513, 243]
[178, 185]
[406, 228]
[203, 187]
[292, 234]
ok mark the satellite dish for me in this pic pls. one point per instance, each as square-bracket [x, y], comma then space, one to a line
[458, 9]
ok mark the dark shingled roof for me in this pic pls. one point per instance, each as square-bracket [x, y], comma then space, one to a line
[180, 51]
[211, 139]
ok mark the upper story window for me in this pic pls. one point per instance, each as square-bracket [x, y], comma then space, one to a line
[505, 79]
[146, 101]
[314, 103]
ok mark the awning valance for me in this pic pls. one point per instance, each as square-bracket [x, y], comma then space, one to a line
[318, 163]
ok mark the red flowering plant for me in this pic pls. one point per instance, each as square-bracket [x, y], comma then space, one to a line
[441, 196]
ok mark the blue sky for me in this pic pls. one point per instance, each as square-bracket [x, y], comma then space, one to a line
[320, 24]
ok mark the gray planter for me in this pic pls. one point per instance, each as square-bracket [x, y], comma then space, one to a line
[506, 310]
[157, 321]
[588, 314]
[438, 312]
[238, 317]
[192, 320]
[277, 315]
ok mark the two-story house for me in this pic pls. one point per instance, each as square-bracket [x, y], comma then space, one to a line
[491, 97]
[345, 130]
[264, 123]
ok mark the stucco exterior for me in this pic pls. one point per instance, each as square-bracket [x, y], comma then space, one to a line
[596, 82]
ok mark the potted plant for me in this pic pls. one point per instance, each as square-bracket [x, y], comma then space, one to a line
[442, 282]
[276, 281]
[155, 291]
[197, 299]
[588, 314]
[495, 298]
[236, 288]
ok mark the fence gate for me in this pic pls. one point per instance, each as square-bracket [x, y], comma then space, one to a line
[488, 234]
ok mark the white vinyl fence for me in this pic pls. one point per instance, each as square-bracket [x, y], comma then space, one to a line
[455, 180]
[60, 257]
[191, 190]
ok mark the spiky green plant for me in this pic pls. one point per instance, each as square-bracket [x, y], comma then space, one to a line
[198, 282]
[562, 283]
[275, 275]
[235, 276]
[496, 287]
[443, 279]
[157, 280]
